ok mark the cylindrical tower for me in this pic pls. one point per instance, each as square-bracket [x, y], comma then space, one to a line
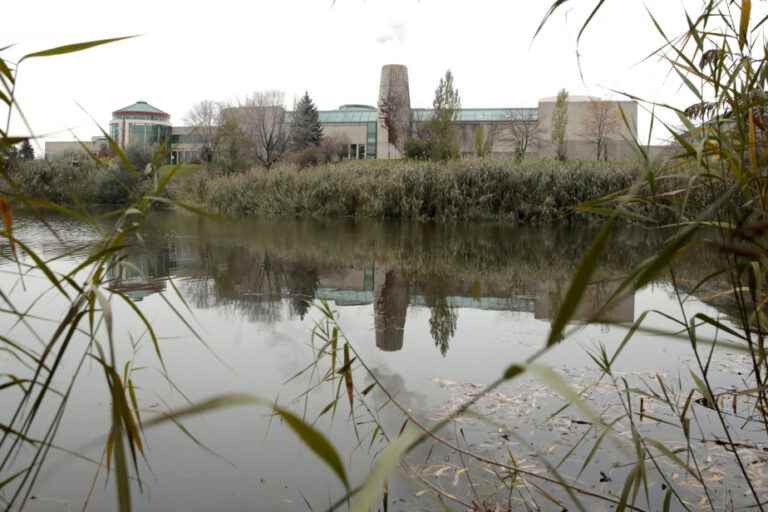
[394, 107]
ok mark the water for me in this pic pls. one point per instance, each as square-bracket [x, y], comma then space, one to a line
[434, 311]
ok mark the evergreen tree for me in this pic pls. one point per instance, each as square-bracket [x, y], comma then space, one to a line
[305, 129]
[27, 152]
[446, 107]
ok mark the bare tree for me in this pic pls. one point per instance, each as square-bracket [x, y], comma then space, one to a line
[601, 120]
[523, 134]
[205, 120]
[262, 119]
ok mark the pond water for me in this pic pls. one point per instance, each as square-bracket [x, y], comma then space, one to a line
[434, 310]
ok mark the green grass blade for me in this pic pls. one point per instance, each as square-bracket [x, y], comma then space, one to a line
[72, 48]
[386, 462]
[579, 284]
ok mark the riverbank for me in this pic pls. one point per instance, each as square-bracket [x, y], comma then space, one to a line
[527, 192]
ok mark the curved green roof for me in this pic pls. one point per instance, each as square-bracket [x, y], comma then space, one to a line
[140, 107]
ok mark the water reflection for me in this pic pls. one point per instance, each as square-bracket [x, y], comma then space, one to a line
[269, 272]
[392, 299]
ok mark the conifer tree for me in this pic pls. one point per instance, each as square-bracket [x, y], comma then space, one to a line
[446, 105]
[305, 128]
[560, 123]
[27, 152]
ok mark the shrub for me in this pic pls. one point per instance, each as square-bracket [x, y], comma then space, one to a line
[418, 149]
[79, 180]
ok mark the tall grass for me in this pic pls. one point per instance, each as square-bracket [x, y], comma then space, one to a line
[85, 182]
[525, 192]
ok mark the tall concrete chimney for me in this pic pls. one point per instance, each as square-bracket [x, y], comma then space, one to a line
[394, 111]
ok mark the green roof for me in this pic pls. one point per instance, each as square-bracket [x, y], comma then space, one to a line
[348, 116]
[478, 115]
[141, 107]
[466, 115]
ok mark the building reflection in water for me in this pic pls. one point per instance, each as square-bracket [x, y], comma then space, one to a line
[139, 276]
[551, 295]
[256, 283]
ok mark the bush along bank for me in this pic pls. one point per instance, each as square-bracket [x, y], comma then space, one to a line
[82, 182]
[529, 191]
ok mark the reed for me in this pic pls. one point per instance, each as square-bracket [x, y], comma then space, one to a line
[526, 192]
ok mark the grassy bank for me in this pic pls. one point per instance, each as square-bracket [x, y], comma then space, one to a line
[503, 190]
[461, 190]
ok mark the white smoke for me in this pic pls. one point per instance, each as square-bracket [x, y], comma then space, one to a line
[393, 32]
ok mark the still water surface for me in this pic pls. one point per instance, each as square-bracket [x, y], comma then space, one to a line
[431, 309]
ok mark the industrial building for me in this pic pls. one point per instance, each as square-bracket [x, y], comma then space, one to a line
[381, 131]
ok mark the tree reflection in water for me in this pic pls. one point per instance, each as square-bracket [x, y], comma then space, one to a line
[443, 317]
[268, 271]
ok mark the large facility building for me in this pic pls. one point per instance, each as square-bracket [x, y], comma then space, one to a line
[381, 131]
[140, 124]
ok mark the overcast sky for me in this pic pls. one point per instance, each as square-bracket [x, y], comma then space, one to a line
[223, 49]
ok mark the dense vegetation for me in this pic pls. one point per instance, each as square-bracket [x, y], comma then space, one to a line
[529, 191]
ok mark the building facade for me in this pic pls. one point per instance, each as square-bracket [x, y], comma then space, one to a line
[381, 131]
[140, 124]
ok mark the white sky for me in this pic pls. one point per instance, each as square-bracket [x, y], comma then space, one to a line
[224, 49]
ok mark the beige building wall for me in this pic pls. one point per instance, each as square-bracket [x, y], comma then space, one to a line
[60, 149]
[579, 144]
[349, 133]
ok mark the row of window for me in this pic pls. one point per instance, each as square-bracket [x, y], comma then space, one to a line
[356, 152]
[179, 157]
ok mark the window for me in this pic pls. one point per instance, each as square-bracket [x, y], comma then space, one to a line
[371, 141]
[361, 152]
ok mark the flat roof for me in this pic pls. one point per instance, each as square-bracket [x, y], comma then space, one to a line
[348, 116]
[465, 115]
[478, 115]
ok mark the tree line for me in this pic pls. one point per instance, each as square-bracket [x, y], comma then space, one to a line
[259, 131]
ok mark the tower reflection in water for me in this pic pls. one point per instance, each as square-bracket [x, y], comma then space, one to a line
[254, 282]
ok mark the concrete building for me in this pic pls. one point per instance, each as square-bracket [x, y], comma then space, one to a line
[381, 131]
